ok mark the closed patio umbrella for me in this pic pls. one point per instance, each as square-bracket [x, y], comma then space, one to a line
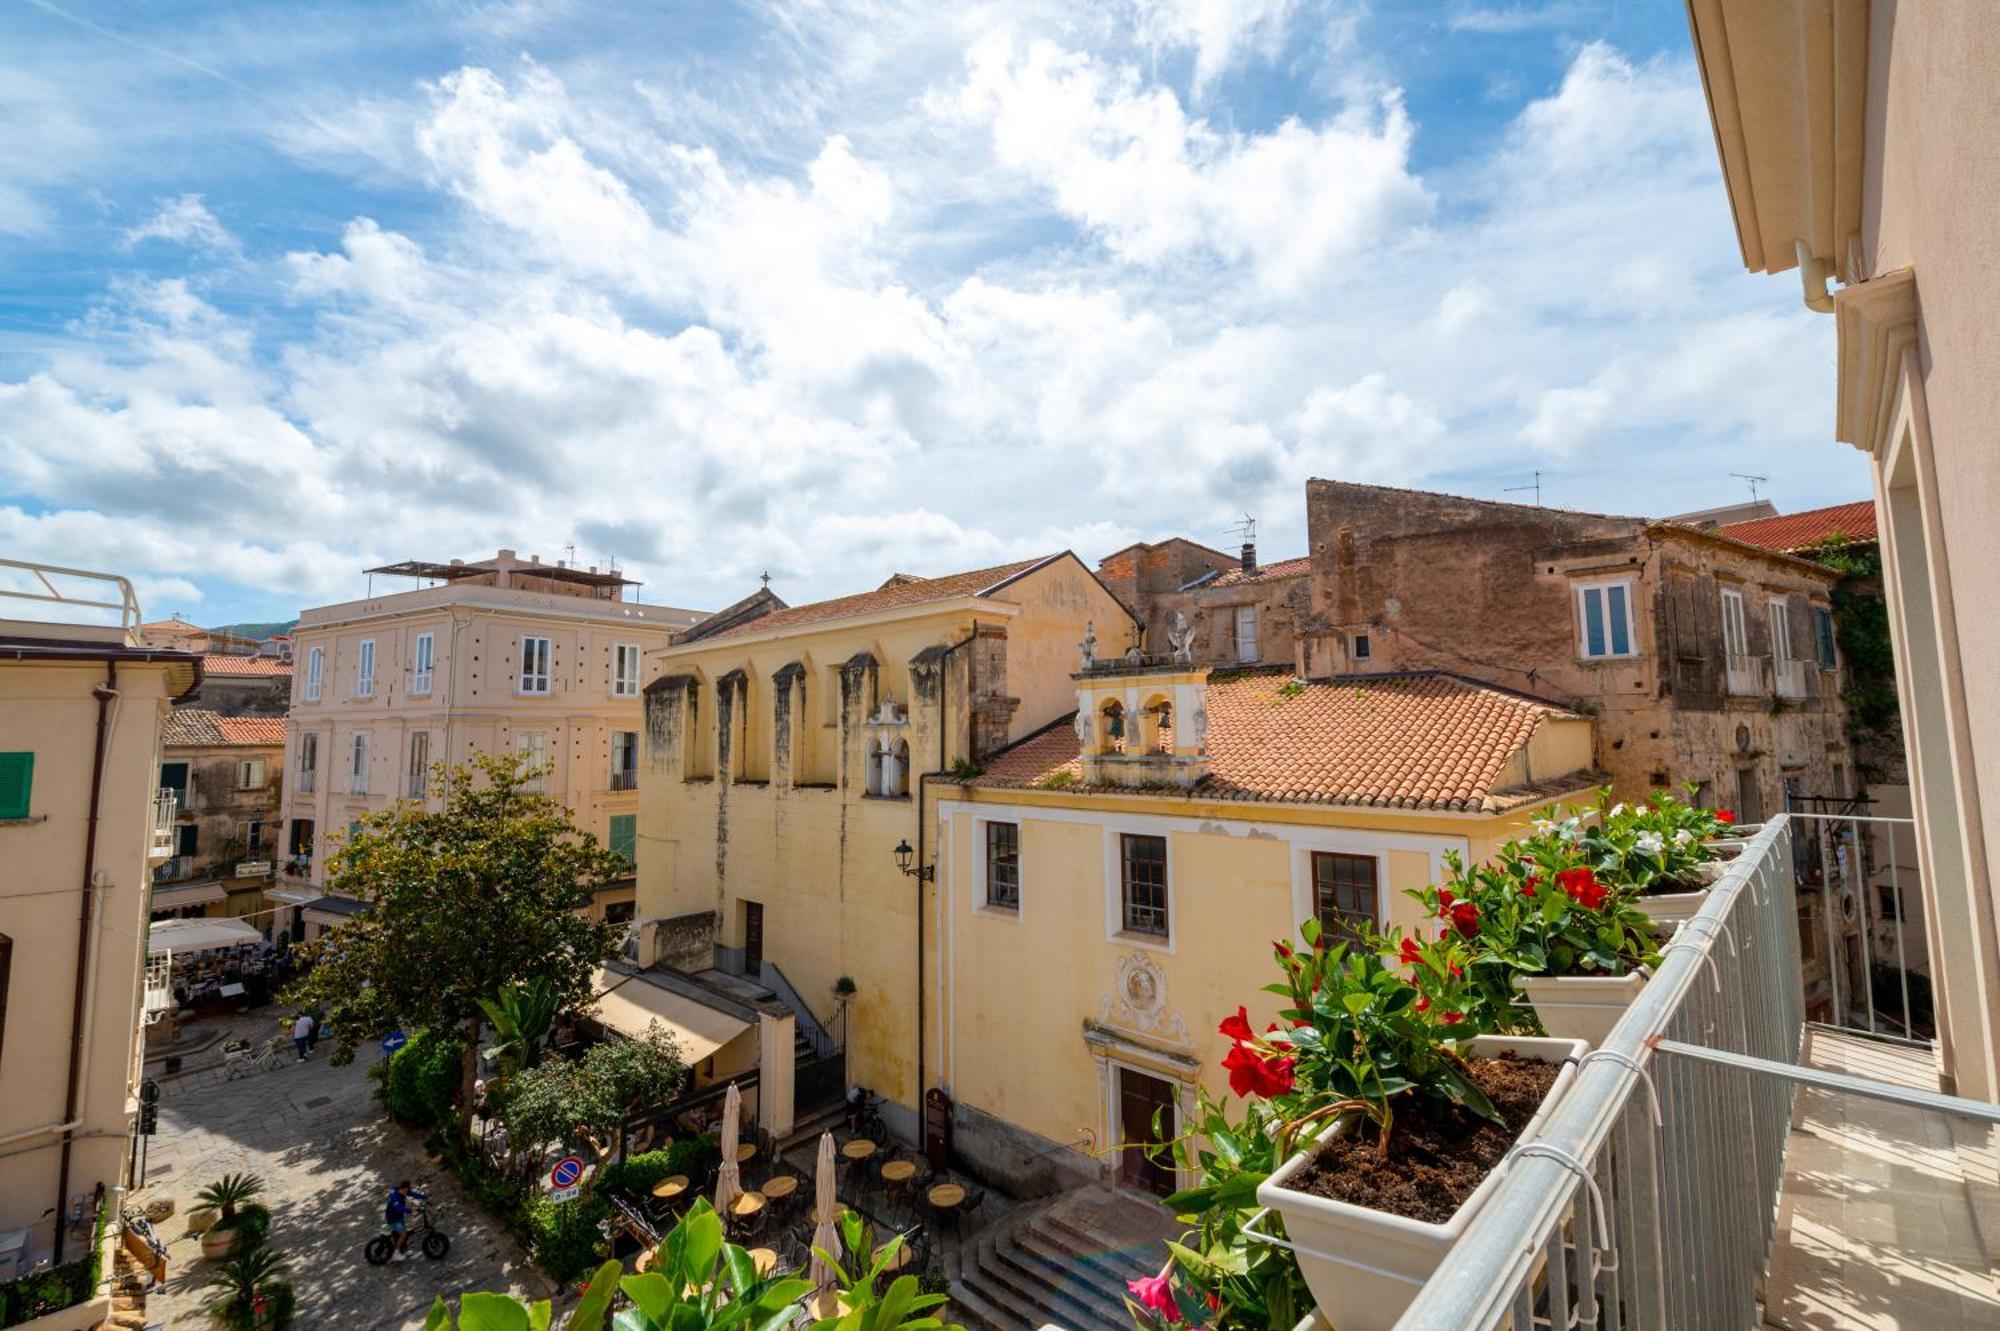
[728, 1182]
[826, 1238]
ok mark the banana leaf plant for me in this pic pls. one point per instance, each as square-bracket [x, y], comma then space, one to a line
[521, 1017]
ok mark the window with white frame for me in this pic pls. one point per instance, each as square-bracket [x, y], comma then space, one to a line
[422, 660]
[420, 764]
[364, 670]
[1735, 637]
[1779, 608]
[308, 761]
[315, 665]
[1347, 898]
[1246, 633]
[625, 670]
[534, 665]
[624, 760]
[357, 768]
[250, 774]
[1604, 628]
[1143, 884]
[533, 747]
[1003, 866]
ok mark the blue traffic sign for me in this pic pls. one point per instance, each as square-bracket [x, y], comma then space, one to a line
[566, 1172]
[393, 1041]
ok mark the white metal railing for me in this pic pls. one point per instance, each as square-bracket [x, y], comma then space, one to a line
[44, 584]
[1745, 675]
[1649, 1199]
[165, 806]
[159, 986]
[1867, 888]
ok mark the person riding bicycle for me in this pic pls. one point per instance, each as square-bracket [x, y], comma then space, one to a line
[397, 1213]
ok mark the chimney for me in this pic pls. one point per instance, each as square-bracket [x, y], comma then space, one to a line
[1249, 557]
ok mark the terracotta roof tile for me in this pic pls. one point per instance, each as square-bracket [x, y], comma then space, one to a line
[1793, 532]
[197, 727]
[897, 593]
[1419, 740]
[245, 665]
[1284, 568]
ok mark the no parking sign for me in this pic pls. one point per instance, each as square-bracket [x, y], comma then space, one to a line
[565, 1179]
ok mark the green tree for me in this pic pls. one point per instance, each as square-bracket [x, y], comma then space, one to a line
[483, 893]
[521, 1017]
[583, 1102]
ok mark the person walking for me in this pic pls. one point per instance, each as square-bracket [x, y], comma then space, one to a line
[302, 1033]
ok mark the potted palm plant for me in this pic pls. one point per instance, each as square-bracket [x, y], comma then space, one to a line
[241, 1222]
[1392, 1110]
[251, 1293]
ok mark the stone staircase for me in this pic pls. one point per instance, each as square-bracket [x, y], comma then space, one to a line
[1064, 1262]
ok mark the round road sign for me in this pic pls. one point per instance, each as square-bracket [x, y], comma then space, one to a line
[566, 1172]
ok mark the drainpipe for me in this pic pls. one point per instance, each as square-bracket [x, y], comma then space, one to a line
[926, 873]
[105, 694]
[1815, 278]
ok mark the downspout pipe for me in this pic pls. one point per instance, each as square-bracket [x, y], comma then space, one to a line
[105, 693]
[926, 872]
[1815, 278]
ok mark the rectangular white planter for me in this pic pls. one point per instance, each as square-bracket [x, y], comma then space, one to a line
[1581, 1007]
[1363, 1265]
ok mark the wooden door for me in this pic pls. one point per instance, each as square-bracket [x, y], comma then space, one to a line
[753, 938]
[1140, 1098]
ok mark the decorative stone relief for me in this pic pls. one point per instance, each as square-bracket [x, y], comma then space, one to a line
[1139, 1002]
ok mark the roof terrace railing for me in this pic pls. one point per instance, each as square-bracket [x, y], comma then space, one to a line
[1650, 1197]
[49, 578]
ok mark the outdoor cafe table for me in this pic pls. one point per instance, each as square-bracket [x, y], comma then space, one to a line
[746, 1205]
[899, 1171]
[781, 1186]
[766, 1260]
[669, 1188]
[945, 1196]
[905, 1254]
[858, 1149]
[746, 1153]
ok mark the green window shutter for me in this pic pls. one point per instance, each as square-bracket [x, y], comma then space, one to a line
[625, 836]
[17, 780]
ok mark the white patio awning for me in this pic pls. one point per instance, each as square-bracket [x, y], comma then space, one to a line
[199, 935]
[634, 1004]
[293, 896]
[177, 895]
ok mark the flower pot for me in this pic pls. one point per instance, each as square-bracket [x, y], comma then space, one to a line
[1670, 909]
[1581, 1007]
[201, 1219]
[1365, 1266]
[216, 1242]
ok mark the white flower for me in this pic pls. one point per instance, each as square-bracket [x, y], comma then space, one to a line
[1652, 843]
[1617, 809]
[1571, 829]
[1542, 826]
[1683, 837]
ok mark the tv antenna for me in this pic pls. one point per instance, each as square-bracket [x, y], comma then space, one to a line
[1522, 489]
[1244, 530]
[1754, 482]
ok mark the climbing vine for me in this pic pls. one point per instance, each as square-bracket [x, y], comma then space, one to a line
[1861, 625]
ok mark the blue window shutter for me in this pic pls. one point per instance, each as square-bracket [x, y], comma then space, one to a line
[1615, 611]
[625, 836]
[17, 782]
[1593, 622]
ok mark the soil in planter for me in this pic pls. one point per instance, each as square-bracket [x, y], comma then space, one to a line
[1667, 887]
[1433, 1165]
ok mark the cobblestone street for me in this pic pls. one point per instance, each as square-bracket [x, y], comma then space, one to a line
[327, 1155]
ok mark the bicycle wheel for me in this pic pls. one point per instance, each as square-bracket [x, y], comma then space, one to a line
[378, 1250]
[436, 1245]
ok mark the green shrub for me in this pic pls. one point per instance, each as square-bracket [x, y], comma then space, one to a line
[563, 1237]
[639, 1173]
[59, 1287]
[419, 1080]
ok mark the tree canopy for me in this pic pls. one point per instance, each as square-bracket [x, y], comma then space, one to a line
[464, 901]
[582, 1102]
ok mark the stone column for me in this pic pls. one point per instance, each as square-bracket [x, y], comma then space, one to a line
[776, 1035]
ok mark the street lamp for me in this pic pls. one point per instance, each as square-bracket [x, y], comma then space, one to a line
[904, 855]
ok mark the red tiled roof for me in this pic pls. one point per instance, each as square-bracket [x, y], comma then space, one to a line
[197, 727]
[1284, 568]
[245, 665]
[1793, 532]
[897, 593]
[1417, 740]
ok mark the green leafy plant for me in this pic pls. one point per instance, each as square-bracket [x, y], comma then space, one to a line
[229, 1193]
[418, 1081]
[464, 900]
[583, 1102]
[522, 1017]
[563, 1238]
[903, 1306]
[1060, 779]
[637, 1174]
[251, 1293]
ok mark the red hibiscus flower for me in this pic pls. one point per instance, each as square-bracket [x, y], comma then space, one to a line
[1409, 956]
[1582, 886]
[1465, 918]
[1452, 1018]
[1456, 972]
[1238, 1026]
[1445, 898]
[1253, 1074]
[1724, 816]
[1153, 1292]
[1528, 887]
[1423, 1004]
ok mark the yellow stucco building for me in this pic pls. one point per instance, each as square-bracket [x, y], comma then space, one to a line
[1043, 919]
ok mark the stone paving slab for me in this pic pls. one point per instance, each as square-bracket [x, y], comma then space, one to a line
[328, 1156]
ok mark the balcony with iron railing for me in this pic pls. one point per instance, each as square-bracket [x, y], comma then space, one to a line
[1722, 1162]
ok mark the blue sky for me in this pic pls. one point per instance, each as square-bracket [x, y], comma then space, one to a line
[852, 287]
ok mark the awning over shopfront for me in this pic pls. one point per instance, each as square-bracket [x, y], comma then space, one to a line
[199, 935]
[628, 1003]
[180, 895]
[293, 896]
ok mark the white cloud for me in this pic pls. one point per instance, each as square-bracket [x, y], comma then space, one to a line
[185, 221]
[1218, 30]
